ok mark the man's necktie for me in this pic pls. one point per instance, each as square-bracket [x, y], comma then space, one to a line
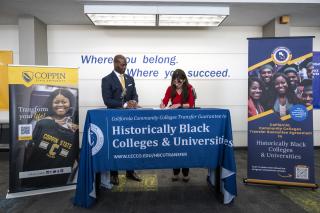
[123, 84]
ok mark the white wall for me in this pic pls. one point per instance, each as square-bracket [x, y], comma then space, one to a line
[67, 43]
[308, 31]
[9, 40]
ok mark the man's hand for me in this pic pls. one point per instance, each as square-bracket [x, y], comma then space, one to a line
[132, 104]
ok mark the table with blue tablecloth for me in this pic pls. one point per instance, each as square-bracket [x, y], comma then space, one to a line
[156, 139]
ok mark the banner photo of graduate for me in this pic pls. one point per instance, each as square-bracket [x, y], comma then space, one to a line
[280, 120]
[316, 79]
[44, 126]
[6, 57]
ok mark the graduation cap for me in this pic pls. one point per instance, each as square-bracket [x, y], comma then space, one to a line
[289, 68]
[309, 64]
[307, 85]
[266, 66]
[306, 63]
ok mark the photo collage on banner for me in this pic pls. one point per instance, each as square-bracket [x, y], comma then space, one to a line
[280, 118]
[316, 80]
[44, 125]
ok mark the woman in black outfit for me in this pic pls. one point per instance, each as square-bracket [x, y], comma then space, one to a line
[55, 143]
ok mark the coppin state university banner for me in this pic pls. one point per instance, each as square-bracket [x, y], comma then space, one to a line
[280, 123]
[44, 144]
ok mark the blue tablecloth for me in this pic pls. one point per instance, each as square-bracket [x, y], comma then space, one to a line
[156, 139]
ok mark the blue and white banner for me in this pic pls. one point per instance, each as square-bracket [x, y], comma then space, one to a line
[155, 139]
[316, 80]
[280, 121]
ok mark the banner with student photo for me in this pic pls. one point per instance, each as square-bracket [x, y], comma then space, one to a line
[6, 57]
[316, 79]
[44, 125]
[280, 121]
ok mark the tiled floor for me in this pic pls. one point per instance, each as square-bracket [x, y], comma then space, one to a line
[157, 193]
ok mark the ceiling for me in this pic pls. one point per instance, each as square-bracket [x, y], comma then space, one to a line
[242, 13]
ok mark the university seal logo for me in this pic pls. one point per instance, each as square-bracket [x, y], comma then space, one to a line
[281, 55]
[27, 76]
[95, 138]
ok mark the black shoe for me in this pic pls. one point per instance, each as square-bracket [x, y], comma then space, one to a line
[114, 179]
[175, 178]
[185, 178]
[133, 176]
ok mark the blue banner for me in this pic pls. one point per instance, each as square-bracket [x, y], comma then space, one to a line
[280, 121]
[155, 139]
[316, 80]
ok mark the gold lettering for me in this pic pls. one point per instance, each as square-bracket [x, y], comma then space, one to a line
[50, 138]
[65, 144]
[52, 153]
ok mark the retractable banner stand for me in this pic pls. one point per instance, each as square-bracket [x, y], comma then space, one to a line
[316, 80]
[44, 146]
[5, 59]
[280, 123]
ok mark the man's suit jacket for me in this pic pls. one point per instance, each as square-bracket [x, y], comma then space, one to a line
[112, 90]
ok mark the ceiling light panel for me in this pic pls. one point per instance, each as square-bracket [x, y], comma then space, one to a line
[191, 20]
[156, 15]
[122, 19]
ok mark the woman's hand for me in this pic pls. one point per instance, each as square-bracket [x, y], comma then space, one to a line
[73, 127]
[175, 106]
[162, 106]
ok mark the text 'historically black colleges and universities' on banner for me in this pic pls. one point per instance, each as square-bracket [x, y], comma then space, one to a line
[280, 120]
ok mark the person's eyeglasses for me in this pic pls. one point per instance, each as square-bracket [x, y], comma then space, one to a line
[178, 81]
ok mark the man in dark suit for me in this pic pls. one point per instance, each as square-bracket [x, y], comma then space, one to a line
[119, 92]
